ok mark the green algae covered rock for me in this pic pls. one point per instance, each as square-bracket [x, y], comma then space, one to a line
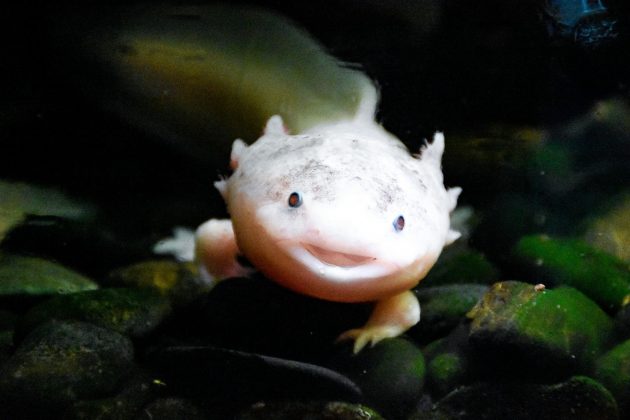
[308, 410]
[579, 397]
[448, 362]
[613, 371]
[391, 375]
[446, 371]
[63, 362]
[443, 308]
[600, 276]
[537, 332]
[29, 276]
[180, 282]
[131, 312]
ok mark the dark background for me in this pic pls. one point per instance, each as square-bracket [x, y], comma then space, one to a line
[456, 65]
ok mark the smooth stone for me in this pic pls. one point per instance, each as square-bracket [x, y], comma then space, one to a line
[172, 409]
[30, 276]
[63, 362]
[579, 397]
[180, 282]
[210, 372]
[448, 362]
[308, 410]
[531, 332]
[457, 266]
[599, 275]
[613, 371]
[131, 312]
[445, 370]
[390, 374]
[443, 308]
[128, 404]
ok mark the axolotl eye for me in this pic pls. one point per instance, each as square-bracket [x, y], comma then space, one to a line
[399, 223]
[295, 199]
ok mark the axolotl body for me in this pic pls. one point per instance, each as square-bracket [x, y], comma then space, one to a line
[341, 212]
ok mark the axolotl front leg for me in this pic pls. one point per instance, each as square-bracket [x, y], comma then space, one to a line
[216, 250]
[390, 318]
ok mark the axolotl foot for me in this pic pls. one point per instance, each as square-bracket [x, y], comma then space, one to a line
[391, 317]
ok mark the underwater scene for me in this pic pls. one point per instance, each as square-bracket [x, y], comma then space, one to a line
[324, 210]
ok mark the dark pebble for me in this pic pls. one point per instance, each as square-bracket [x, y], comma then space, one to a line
[128, 311]
[244, 378]
[578, 398]
[63, 362]
[391, 375]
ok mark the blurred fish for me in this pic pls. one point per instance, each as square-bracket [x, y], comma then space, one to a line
[18, 200]
[203, 75]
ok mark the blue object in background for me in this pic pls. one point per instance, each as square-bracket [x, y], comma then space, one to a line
[587, 23]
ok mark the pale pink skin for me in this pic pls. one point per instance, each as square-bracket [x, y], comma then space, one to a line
[340, 243]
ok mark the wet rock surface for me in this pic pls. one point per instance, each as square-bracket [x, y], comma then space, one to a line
[179, 282]
[63, 362]
[391, 375]
[550, 332]
[443, 308]
[599, 275]
[131, 312]
[204, 372]
[578, 398]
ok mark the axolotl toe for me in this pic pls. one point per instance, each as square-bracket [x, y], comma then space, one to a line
[341, 212]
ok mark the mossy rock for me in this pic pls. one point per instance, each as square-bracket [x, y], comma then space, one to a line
[599, 275]
[448, 362]
[180, 282]
[391, 375]
[613, 371]
[30, 276]
[528, 331]
[443, 308]
[131, 312]
[63, 362]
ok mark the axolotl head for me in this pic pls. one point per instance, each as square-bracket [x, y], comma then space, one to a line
[342, 212]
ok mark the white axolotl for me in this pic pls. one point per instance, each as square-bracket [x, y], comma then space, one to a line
[341, 212]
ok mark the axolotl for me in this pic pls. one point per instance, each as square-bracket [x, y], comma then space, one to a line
[341, 212]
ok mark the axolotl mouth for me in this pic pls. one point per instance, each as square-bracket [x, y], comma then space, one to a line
[339, 265]
[337, 258]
